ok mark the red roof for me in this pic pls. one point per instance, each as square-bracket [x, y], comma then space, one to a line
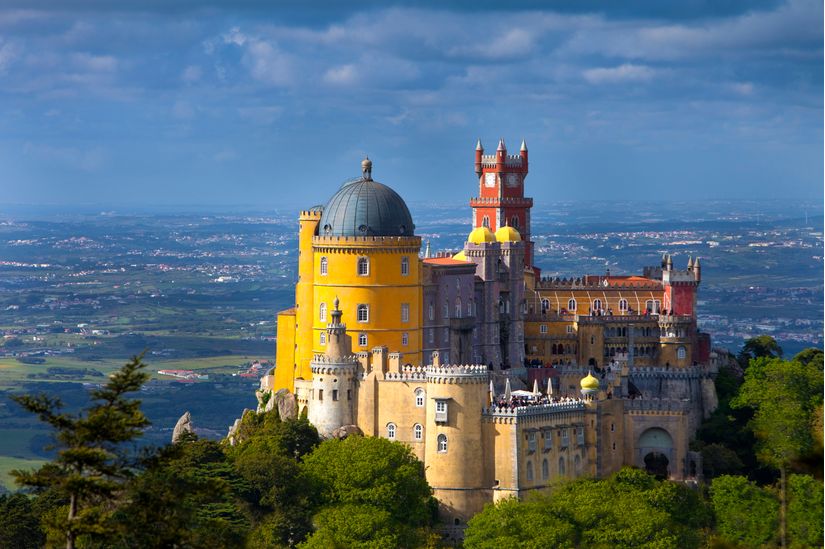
[446, 261]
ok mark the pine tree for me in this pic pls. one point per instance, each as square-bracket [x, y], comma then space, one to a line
[91, 462]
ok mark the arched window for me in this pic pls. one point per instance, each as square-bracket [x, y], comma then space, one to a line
[562, 471]
[577, 465]
[545, 305]
[545, 470]
[514, 222]
[405, 266]
[418, 432]
[391, 431]
[597, 305]
[446, 309]
[405, 338]
[571, 305]
[471, 308]
[458, 307]
[322, 312]
[324, 266]
[419, 397]
[323, 338]
[363, 266]
[485, 221]
[405, 312]
[363, 313]
[529, 471]
[681, 353]
[362, 339]
[623, 305]
[431, 311]
[442, 444]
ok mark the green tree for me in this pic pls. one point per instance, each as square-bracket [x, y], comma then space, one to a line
[91, 463]
[19, 524]
[763, 346]
[784, 395]
[805, 504]
[530, 525]
[374, 472]
[353, 526]
[718, 459]
[189, 495]
[745, 513]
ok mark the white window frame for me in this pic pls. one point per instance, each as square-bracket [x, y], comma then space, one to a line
[681, 352]
[405, 312]
[623, 304]
[405, 266]
[441, 443]
[391, 431]
[322, 312]
[362, 339]
[571, 305]
[458, 307]
[418, 432]
[569, 329]
[323, 338]
[420, 396]
[543, 328]
[363, 268]
[365, 309]
[597, 304]
[324, 266]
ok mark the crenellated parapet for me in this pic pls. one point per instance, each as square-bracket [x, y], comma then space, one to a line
[407, 373]
[507, 414]
[366, 244]
[466, 373]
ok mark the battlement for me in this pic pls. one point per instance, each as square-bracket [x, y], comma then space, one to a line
[463, 373]
[594, 282]
[550, 408]
[658, 405]
[516, 201]
[407, 373]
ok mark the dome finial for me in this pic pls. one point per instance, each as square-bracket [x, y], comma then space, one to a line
[366, 168]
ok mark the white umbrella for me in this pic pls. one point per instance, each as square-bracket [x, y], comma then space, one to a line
[507, 391]
[492, 391]
[536, 387]
[549, 386]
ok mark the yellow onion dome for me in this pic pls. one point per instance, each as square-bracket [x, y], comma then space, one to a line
[460, 256]
[480, 235]
[507, 234]
[589, 382]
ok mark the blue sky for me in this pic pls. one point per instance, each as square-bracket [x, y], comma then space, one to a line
[163, 102]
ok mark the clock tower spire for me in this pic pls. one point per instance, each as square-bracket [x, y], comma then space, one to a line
[501, 201]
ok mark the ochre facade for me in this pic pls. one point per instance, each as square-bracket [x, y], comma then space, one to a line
[499, 380]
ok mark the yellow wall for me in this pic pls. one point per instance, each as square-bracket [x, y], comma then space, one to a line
[304, 307]
[285, 351]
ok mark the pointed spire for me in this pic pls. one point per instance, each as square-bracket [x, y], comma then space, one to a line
[501, 146]
[492, 391]
[690, 263]
[549, 386]
[536, 387]
[669, 262]
[427, 250]
[696, 264]
[479, 146]
[523, 145]
[508, 393]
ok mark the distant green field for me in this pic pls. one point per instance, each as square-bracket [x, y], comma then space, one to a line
[9, 463]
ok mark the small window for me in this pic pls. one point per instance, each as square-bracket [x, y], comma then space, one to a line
[349, 394]
[335, 394]
[405, 266]
[597, 305]
[363, 313]
[442, 444]
[623, 305]
[405, 312]
[571, 305]
[418, 432]
[362, 340]
[612, 427]
[548, 440]
[323, 338]
[363, 266]
[545, 470]
[324, 266]
[446, 310]
[562, 468]
[543, 328]
[458, 307]
[405, 339]
[471, 308]
[419, 398]
[545, 305]
[320, 394]
[530, 471]
[322, 312]
[441, 411]
[431, 311]
[681, 353]
[514, 222]
[569, 329]
[485, 221]
[391, 431]
[531, 442]
[431, 335]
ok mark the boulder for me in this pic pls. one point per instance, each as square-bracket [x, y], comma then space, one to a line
[287, 406]
[346, 430]
[184, 425]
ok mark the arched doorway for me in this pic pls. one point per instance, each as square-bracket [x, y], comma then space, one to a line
[655, 452]
[656, 464]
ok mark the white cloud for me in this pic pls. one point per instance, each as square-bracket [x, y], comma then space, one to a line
[341, 75]
[9, 53]
[94, 63]
[267, 63]
[623, 73]
[742, 88]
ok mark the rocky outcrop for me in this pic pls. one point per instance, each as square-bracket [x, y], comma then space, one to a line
[347, 430]
[184, 425]
[286, 403]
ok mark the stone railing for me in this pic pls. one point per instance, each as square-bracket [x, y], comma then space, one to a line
[464, 373]
[534, 409]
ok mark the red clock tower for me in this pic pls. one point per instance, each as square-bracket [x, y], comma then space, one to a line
[501, 199]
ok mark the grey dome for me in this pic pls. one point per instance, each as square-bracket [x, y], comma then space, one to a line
[366, 208]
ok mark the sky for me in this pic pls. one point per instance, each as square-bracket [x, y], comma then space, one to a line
[164, 102]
